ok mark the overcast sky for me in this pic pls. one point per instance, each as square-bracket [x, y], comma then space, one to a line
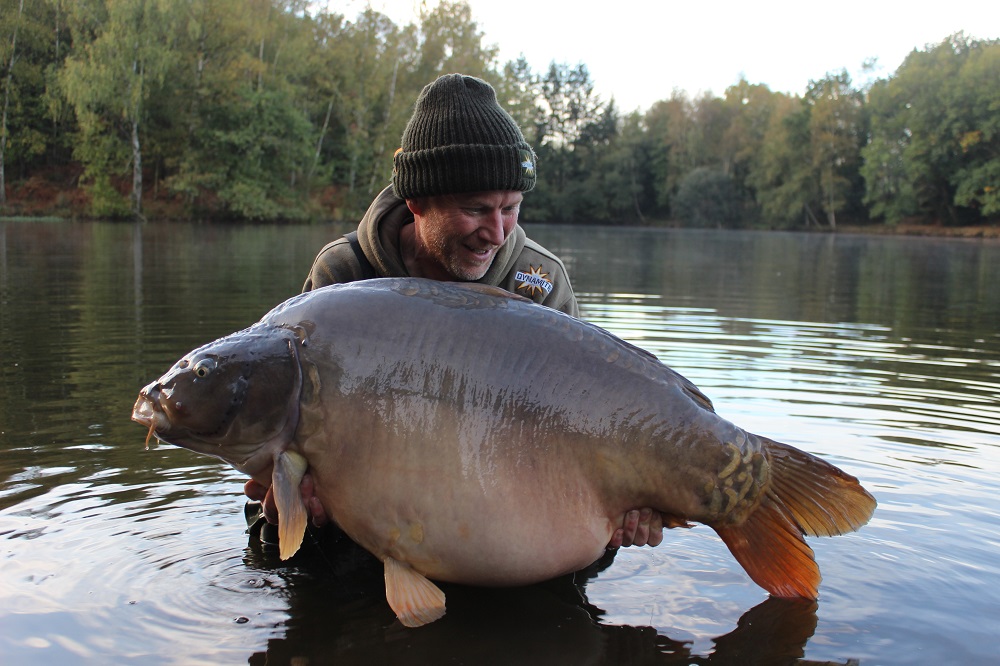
[638, 51]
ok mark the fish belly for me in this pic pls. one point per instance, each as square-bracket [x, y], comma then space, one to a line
[490, 524]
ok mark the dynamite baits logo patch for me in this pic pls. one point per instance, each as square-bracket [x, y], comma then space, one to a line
[534, 281]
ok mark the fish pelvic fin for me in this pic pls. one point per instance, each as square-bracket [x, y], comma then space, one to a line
[289, 468]
[414, 599]
[806, 496]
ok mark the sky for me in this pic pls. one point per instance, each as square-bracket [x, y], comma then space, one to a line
[640, 51]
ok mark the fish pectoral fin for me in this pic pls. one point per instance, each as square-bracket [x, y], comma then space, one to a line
[415, 600]
[289, 468]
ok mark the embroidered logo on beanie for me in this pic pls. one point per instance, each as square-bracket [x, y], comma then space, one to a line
[528, 163]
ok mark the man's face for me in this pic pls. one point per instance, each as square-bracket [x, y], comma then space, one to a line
[458, 235]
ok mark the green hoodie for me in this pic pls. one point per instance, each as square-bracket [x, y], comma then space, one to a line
[521, 265]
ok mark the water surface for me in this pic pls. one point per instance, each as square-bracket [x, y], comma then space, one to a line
[880, 354]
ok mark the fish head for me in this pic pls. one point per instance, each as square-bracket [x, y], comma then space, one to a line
[235, 398]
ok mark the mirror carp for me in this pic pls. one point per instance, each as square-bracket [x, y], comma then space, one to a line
[462, 434]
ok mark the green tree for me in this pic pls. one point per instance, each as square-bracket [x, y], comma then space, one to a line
[889, 191]
[604, 175]
[623, 163]
[836, 134]
[707, 137]
[32, 45]
[781, 176]
[750, 109]
[451, 41]
[975, 117]
[668, 124]
[372, 99]
[600, 187]
[567, 110]
[243, 110]
[806, 162]
[708, 197]
[324, 86]
[934, 143]
[123, 55]
[519, 91]
[568, 102]
[215, 64]
[9, 58]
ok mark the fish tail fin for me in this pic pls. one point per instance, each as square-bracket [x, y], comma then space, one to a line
[805, 496]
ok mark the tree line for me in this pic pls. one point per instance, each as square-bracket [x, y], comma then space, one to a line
[271, 110]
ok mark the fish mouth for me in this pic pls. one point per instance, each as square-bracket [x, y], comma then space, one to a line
[147, 412]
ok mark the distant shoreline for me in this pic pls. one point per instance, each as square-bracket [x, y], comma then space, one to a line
[974, 231]
[990, 232]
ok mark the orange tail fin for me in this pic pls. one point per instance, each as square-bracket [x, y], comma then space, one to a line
[806, 496]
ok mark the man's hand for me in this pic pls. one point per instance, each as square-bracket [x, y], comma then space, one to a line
[262, 494]
[641, 527]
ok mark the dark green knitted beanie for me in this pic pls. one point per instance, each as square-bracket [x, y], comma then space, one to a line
[459, 139]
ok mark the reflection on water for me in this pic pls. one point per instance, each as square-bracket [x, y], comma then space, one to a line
[878, 354]
[551, 623]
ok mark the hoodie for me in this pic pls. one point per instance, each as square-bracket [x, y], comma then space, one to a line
[521, 265]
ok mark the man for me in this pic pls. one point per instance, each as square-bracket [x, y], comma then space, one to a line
[451, 214]
[451, 211]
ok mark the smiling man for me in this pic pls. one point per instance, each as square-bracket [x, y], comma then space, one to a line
[450, 214]
[457, 236]
[451, 210]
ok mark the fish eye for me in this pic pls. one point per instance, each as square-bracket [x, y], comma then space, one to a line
[204, 367]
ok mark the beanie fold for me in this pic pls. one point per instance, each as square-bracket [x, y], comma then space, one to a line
[464, 168]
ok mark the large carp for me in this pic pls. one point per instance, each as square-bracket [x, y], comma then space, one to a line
[461, 434]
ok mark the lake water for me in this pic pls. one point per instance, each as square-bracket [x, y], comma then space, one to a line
[880, 354]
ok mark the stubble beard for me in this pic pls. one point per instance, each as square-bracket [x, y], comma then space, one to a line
[447, 253]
